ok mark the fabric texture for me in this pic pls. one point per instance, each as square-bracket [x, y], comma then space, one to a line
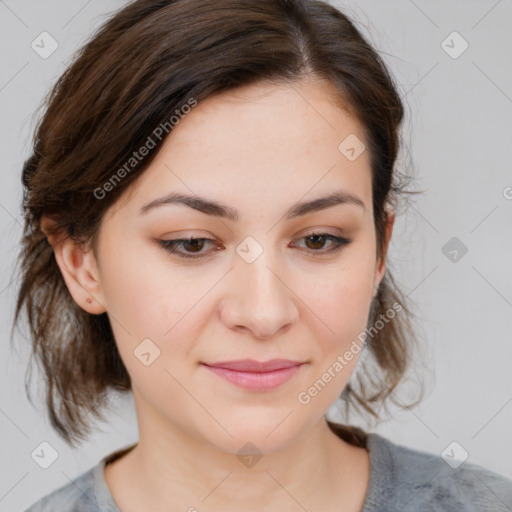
[401, 479]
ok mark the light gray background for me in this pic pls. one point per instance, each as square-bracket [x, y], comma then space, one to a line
[459, 133]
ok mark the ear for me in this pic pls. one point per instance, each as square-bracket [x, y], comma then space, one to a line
[380, 268]
[79, 269]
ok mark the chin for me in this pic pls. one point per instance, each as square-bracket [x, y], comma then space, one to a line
[268, 434]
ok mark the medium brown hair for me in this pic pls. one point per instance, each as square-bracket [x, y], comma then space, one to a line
[137, 70]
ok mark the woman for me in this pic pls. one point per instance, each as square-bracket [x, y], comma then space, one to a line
[208, 208]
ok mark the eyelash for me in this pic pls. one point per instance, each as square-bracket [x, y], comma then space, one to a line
[170, 245]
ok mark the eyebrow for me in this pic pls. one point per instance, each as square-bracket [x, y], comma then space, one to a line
[217, 209]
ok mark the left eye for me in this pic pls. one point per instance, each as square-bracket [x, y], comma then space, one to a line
[316, 239]
[193, 246]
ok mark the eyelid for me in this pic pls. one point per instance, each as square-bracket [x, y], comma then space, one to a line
[320, 231]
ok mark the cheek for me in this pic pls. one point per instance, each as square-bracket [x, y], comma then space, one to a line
[340, 297]
[341, 304]
[150, 297]
[142, 292]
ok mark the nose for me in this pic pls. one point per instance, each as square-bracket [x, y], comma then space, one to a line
[258, 300]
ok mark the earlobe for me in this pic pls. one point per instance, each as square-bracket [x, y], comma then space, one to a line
[79, 269]
[381, 263]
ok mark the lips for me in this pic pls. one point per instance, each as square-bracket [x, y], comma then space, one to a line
[255, 375]
[250, 365]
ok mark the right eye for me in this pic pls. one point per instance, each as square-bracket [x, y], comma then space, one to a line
[191, 246]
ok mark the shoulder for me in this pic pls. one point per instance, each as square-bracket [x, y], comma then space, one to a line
[408, 479]
[86, 493]
[79, 495]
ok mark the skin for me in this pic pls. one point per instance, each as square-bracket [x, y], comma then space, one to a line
[259, 149]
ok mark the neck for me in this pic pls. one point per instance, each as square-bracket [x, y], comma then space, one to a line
[171, 470]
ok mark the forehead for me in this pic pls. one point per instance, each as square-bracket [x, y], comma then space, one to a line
[310, 110]
[262, 144]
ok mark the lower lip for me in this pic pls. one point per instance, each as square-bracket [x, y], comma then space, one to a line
[256, 381]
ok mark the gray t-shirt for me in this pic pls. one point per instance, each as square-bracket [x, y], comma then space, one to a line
[401, 479]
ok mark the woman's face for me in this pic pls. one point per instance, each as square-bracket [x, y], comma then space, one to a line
[261, 287]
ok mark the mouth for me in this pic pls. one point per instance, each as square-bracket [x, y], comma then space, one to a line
[255, 375]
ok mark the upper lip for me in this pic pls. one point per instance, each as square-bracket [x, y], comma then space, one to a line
[250, 365]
